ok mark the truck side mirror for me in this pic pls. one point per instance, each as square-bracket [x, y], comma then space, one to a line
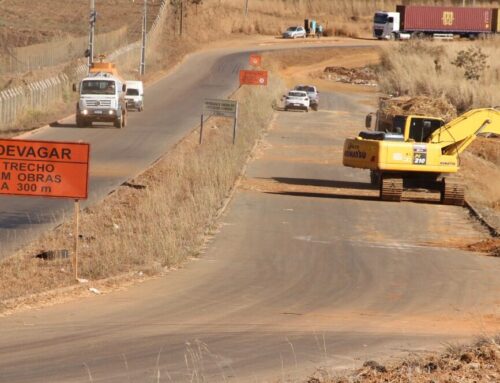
[74, 87]
[124, 87]
[368, 121]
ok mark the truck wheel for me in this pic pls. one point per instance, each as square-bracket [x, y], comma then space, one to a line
[118, 123]
[80, 122]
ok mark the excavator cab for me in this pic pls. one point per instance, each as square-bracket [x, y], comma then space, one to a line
[420, 129]
[410, 128]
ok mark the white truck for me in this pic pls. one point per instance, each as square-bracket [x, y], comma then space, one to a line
[419, 21]
[134, 96]
[102, 99]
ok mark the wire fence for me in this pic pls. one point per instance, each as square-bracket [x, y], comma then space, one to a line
[38, 56]
[43, 94]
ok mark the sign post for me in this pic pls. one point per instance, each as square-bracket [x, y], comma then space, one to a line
[220, 108]
[46, 169]
[77, 237]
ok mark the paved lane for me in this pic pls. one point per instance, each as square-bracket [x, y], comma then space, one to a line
[308, 270]
[172, 109]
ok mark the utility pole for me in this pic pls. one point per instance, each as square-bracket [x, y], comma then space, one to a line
[246, 8]
[142, 68]
[182, 16]
[92, 20]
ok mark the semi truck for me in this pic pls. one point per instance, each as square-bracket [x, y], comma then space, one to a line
[101, 97]
[415, 21]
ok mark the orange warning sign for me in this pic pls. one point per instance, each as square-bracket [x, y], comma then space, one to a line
[255, 60]
[44, 168]
[253, 77]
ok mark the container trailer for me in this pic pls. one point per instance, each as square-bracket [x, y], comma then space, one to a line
[414, 21]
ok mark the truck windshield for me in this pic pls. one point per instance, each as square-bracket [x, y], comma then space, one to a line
[132, 92]
[98, 87]
[380, 18]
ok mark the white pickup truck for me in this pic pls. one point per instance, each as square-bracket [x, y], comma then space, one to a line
[134, 96]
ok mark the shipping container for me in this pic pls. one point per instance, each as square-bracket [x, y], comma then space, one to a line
[458, 20]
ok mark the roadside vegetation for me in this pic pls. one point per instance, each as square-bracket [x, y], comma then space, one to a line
[478, 363]
[154, 222]
[466, 74]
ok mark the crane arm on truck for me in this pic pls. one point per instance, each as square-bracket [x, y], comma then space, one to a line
[458, 134]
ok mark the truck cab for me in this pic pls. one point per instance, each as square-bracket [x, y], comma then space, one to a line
[101, 99]
[134, 96]
[386, 25]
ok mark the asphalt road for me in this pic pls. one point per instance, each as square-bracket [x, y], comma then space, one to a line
[308, 270]
[172, 109]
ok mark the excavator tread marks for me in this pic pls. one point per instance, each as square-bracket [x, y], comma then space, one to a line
[452, 193]
[391, 188]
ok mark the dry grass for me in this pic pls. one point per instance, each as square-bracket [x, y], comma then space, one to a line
[425, 68]
[160, 218]
[479, 363]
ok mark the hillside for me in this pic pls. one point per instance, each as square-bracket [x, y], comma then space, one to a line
[27, 22]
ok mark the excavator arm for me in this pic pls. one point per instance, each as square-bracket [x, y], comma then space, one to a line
[457, 135]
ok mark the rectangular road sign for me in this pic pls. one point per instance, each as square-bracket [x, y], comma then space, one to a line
[253, 77]
[215, 107]
[255, 60]
[44, 168]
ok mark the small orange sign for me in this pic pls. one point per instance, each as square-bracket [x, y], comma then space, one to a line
[255, 60]
[44, 168]
[253, 77]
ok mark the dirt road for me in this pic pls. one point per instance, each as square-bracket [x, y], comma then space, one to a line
[308, 269]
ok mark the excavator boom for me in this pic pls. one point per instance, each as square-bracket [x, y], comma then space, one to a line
[458, 134]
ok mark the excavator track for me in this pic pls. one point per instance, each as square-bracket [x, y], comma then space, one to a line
[391, 188]
[452, 193]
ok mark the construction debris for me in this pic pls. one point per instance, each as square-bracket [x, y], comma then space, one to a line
[358, 76]
[420, 105]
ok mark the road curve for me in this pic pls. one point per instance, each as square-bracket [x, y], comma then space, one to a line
[172, 108]
[308, 270]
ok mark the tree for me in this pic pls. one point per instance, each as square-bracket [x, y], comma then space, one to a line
[473, 61]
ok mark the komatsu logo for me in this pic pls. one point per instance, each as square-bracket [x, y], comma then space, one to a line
[448, 18]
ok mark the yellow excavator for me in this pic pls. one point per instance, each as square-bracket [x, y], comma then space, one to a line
[419, 152]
